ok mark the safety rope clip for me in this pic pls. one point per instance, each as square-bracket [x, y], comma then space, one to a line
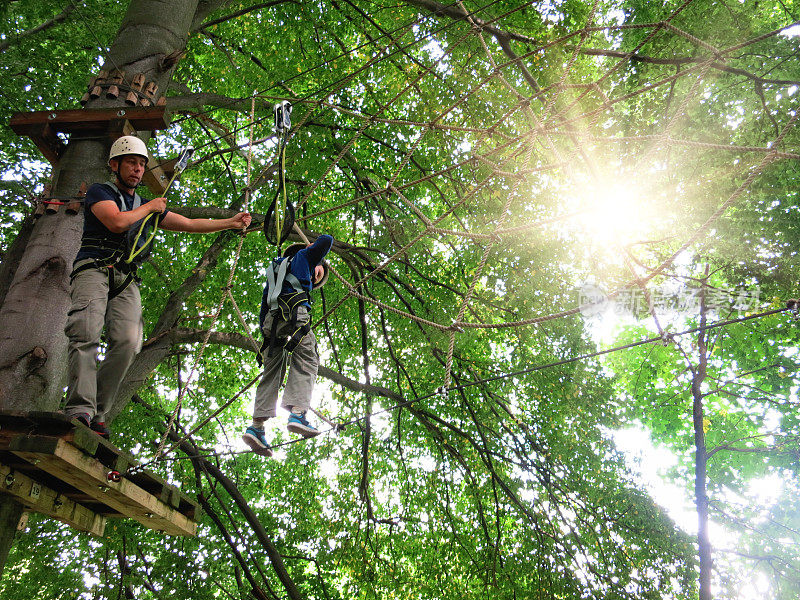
[442, 391]
[114, 476]
[793, 304]
[283, 118]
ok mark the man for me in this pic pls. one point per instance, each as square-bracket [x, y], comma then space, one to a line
[286, 324]
[104, 287]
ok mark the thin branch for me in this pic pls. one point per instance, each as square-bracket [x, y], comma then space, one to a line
[241, 12]
[39, 28]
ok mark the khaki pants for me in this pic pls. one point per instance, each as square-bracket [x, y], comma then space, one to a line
[92, 390]
[303, 367]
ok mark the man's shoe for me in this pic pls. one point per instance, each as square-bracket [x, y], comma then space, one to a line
[99, 427]
[299, 424]
[82, 418]
[254, 438]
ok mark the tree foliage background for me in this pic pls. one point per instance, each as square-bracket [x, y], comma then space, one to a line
[472, 160]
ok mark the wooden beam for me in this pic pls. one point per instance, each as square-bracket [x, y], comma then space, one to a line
[87, 120]
[48, 143]
[44, 126]
[37, 497]
[87, 474]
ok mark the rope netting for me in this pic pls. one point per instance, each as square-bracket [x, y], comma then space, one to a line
[536, 133]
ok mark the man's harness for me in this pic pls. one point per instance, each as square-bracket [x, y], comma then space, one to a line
[125, 254]
[283, 308]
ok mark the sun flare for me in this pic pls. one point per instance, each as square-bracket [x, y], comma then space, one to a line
[615, 214]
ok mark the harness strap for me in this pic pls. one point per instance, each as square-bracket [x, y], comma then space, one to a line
[113, 292]
[275, 280]
[297, 336]
[295, 283]
[103, 243]
[137, 200]
[93, 263]
[286, 312]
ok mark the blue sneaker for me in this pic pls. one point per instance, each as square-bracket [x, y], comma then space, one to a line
[254, 438]
[299, 424]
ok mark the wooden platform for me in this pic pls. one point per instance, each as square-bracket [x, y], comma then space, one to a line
[58, 467]
[44, 127]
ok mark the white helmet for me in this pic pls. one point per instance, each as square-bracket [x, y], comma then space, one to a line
[128, 144]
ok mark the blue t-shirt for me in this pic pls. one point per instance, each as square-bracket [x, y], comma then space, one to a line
[302, 267]
[93, 228]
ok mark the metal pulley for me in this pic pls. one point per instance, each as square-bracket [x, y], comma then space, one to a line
[279, 218]
[283, 117]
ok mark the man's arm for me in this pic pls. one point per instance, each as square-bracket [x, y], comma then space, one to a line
[175, 222]
[120, 221]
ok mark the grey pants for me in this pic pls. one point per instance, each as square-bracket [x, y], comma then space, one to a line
[303, 366]
[91, 390]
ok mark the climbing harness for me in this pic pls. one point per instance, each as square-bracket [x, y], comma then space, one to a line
[279, 219]
[115, 251]
[135, 246]
[284, 308]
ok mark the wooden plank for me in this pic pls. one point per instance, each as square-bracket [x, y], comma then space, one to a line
[191, 508]
[90, 476]
[14, 424]
[45, 423]
[84, 120]
[83, 438]
[37, 497]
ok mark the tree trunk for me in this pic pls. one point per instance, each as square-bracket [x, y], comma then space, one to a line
[701, 456]
[14, 254]
[10, 512]
[33, 347]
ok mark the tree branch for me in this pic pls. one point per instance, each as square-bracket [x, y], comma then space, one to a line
[239, 13]
[39, 28]
[275, 558]
[237, 340]
[455, 12]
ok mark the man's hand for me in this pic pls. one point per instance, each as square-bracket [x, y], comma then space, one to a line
[319, 273]
[241, 221]
[157, 205]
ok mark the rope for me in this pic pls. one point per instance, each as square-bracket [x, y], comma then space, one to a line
[198, 356]
[442, 391]
[539, 132]
[250, 153]
[200, 352]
